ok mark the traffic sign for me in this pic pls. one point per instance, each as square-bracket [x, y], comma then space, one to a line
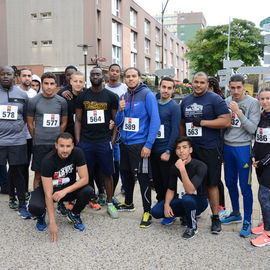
[165, 72]
[223, 72]
[224, 80]
[232, 63]
[254, 70]
[267, 39]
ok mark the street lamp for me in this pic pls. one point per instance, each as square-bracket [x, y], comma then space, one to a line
[162, 38]
[85, 52]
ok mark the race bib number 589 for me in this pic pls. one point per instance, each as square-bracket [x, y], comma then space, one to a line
[131, 124]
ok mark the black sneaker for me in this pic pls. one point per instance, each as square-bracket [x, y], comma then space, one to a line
[216, 225]
[122, 207]
[189, 233]
[61, 209]
[146, 220]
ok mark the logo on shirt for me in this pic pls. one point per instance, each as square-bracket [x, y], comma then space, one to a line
[193, 110]
[63, 172]
[93, 105]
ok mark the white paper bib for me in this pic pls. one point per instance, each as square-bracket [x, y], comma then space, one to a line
[51, 120]
[95, 117]
[161, 133]
[193, 131]
[8, 112]
[131, 124]
[263, 135]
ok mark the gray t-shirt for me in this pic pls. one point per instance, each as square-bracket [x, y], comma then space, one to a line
[47, 113]
[244, 127]
[13, 106]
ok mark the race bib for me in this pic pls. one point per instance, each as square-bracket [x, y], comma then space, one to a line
[263, 135]
[131, 124]
[235, 121]
[51, 120]
[161, 133]
[8, 112]
[95, 117]
[193, 131]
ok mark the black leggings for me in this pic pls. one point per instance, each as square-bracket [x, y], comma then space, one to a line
[264, 199]
[36, 204]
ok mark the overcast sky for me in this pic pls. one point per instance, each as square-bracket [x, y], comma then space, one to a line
[216, 12]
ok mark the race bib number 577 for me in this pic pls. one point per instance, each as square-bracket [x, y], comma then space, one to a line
[51, 120]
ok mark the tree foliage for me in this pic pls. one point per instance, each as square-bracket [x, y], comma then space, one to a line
[207, 51]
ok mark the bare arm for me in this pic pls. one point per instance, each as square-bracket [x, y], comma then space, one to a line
[182, 131]
[114, 133]
[78, 125]
[48, 191]
[223, 121]
[63, 124]
[30, 125]
[168, 212]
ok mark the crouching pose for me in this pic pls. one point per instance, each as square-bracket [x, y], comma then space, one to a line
[58, 175]
[193, 202]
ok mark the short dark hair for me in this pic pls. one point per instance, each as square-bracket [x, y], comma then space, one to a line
[132, 68]
[237, 78]
[266, 89]
[114, 64]
[65, 135]
[71, 67]
[24, 68]
[169, 80]
[48, 75]
[200, 74]
[183, 139]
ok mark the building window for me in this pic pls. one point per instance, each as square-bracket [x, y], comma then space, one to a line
[146, 27]
[46, 43]
[177, 48]
[182, 25]
[177, 61]
[171, 43]
[171, 60]
[116, 34]
[146, 65]
[116, 55]
[182, 34]
[157, 65]
[116, 8]
[34, 44]
[147, 46]
[45, 15]
[133, 39]
[33, 15]
[182, 18]
[165, 58]
[133, 17]
[158, 53]
[133, 59]
[157, 34]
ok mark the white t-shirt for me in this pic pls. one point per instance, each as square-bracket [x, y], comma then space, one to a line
[119, 89]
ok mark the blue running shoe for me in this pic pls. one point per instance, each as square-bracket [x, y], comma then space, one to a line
[23, 212]
[231, 219]
[76, 220]
[41, 223]
[246, 229]
[102, 199]
[168, 221]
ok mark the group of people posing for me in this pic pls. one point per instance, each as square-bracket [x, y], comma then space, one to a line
[80, 136]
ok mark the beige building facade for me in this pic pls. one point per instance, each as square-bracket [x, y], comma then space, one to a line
[47, 33]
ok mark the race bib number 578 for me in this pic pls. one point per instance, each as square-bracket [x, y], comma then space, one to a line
[8, 112]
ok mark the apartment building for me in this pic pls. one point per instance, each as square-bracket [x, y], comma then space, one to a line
[45, 35]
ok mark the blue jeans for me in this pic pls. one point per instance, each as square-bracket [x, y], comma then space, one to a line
[3, 177]
[189, 206]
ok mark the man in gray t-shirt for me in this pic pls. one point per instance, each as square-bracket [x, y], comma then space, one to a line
[46, 119]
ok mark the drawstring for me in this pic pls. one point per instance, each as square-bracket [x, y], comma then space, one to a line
[132, 100]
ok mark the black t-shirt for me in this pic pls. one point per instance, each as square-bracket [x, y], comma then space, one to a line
[197, 172]
[62, 171]
[96, 114]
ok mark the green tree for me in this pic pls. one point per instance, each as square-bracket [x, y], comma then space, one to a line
[207, 51]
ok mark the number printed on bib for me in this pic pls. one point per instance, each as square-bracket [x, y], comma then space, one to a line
[193, 131]
[131, 124]
[95, 117]
[263, 135]
[51, 120]
[161, 133]
[235, 121]
[8, 112]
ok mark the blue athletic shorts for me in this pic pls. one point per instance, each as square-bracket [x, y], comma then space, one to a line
[101, 153]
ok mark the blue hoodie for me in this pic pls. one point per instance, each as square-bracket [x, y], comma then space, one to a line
[142, 104]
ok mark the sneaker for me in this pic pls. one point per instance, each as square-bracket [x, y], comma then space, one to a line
[222, 212]
[189, 233]
[115, 201]
[27, 196]
[216, 226]
[246, 229]
[122, 207]
[261, 241]
[102, 199]
[41, 223]
[168, 221]
[12, 203]
[258, 230]
[231, 219]
[146, 220]
[112, 211]
[24, 213]
[76, 220]
[61, 209]
[94, 205]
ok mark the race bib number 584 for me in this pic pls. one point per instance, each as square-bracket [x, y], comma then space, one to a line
[95, 117]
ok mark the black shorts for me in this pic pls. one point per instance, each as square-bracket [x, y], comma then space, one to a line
[14, 155]
[39, 152]
[212, 158]
[131, 160]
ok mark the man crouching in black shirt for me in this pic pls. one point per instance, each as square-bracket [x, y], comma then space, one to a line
[58, 175]
[193, 201]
